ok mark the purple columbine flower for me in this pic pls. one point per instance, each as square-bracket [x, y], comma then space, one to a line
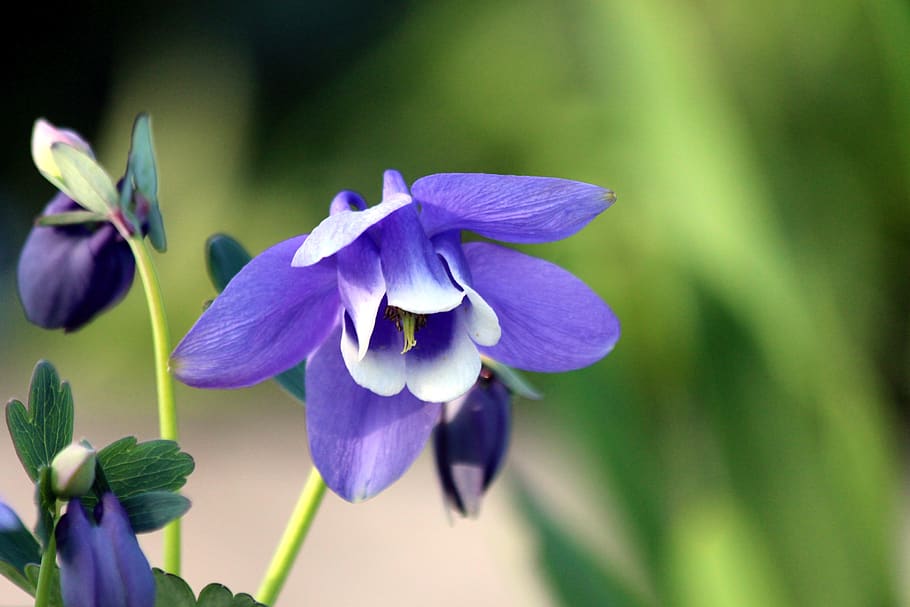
[470, 442]
[9, 521]
[392, 312]
[102, 565]
[68, 274]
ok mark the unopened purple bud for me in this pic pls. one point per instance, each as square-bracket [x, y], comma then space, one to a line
[471, 441]
[101, 564]
[70, 273]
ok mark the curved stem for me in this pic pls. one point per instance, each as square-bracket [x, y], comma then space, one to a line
[167, 408]
[292, 540]
[45, 573]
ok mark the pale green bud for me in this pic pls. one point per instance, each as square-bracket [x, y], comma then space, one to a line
[73, 471]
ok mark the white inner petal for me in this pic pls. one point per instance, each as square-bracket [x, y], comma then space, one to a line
[380, 370]
[338, 231]
[480, 319]
[449, 373]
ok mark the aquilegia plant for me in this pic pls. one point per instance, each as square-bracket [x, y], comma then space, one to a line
[390, 326]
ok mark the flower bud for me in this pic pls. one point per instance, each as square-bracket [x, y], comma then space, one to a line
[101, 563]
[73, 471]
[470, 442]
[45, 135]
[68, 274]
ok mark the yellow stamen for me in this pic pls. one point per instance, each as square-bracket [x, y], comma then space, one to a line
[408, 323]
[408, 328]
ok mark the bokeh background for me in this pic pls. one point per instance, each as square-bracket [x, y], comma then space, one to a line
[744, 445]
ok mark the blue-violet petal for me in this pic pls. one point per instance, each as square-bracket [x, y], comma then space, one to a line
[269, 318]
[508, 207]
[360, 442]
[551, 321]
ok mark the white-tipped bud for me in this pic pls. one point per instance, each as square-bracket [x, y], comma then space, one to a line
[45, 135]
[73, 471]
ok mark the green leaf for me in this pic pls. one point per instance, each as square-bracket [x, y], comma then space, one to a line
[174, 592]
[84, 180]
[153, 510]
[156, 229]
[18, 547]
[513, 380]
[131, 467]
[17, 577]
[218, 595]
[55, 599]
[143, 476]
[144, 171]
[171, 591]
[225, 256]
[576, 576]
[70, 218]
[293, 380]
[46, 427]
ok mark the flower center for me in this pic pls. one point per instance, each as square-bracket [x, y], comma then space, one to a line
[408, 323]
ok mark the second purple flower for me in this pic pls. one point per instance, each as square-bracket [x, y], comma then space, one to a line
[393, 312]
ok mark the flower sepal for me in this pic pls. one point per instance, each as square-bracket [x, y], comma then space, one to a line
[515, 381]
[83, 179]
[70, 218]
[140, 185]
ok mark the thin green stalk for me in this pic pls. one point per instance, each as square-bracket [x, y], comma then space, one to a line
[45, 574]
[167, 408]
[292, 540]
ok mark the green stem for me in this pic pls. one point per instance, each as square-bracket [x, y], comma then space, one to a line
[292, 540]
[45, 574]
[167, 408]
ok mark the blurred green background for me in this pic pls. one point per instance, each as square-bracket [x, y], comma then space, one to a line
[747, 437]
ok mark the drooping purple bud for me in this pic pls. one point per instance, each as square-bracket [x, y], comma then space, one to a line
[471, 441]
[70, 273]
[102, 565]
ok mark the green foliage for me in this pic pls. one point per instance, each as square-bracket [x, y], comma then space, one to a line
[46, 426]
[174, 592]
[516, 382]
[70, 218]
[131, 467]
[18, 548]
[84, 180]
[55, 599]
[225, 256]
[142, 168]
[17, 577]
[143, 476]
[576, 575]
[153, 510]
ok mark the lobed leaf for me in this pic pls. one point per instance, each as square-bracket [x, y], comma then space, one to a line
[174, 592]
[40, 431]
[131, 467]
